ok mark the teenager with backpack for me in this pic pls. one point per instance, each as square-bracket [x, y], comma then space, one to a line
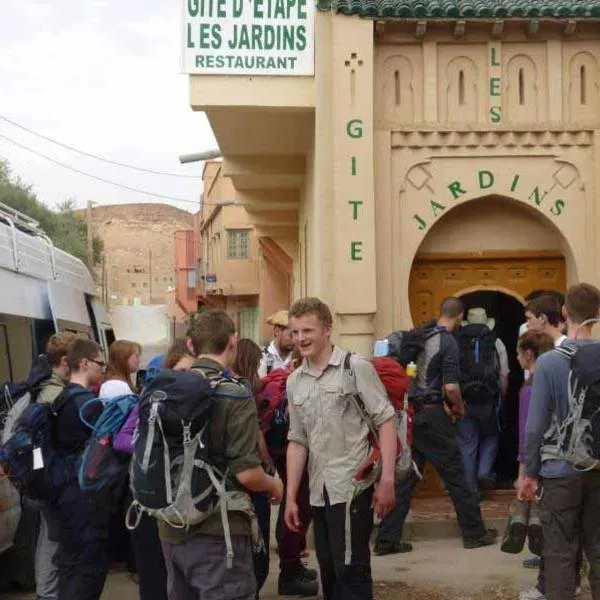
[123, 364]
[279, 352]
[328, 431]
[46, 573]
[562, 440]
[437, 402]
[207, 560]
[483, 382]
[81, 526]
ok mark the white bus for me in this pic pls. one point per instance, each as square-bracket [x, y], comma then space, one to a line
[43, 290]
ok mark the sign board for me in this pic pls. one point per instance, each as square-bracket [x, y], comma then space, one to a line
[211, 279]
[248, 37]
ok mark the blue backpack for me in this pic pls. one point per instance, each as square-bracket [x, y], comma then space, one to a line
[103, 469]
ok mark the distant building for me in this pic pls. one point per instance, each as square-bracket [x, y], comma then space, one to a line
[224, 261]
[139, 252]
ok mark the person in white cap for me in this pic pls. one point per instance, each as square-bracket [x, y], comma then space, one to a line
[484, 380]
[279, 352]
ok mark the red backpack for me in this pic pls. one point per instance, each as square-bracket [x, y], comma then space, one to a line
[397, 383]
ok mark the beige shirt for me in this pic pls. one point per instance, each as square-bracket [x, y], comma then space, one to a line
[323, 419]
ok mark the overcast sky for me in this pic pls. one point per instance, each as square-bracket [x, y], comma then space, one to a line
[102, 76]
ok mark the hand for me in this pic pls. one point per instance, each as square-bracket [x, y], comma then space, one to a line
[527, 488]
[277, 491]
[384, 498]
[292, 516]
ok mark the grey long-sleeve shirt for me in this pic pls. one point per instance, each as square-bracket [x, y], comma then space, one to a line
[548, 408]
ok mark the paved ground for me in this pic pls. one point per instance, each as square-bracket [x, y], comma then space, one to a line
[435, 570]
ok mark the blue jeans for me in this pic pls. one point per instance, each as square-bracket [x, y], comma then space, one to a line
[478, 453]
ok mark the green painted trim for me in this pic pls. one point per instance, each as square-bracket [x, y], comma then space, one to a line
[465, 9]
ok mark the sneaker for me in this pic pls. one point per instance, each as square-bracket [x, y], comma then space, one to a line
[534, 533]
[488, 539]
[532, 594]
[516, 528]
[532, 563]
[303, 572]
[385, 548]
[296, 585]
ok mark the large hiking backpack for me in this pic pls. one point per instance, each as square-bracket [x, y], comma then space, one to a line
[579, 433]
[396, 382]
[406, 346]
[103, 469]
[29, 457]
[479, 366]
[17, 396]
[172, 474]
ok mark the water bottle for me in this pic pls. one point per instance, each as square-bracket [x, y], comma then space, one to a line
[381, 348]
[411, 369]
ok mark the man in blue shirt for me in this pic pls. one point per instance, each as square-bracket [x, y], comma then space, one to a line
[569, 499]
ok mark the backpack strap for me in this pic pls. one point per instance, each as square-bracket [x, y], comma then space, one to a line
[351, 392]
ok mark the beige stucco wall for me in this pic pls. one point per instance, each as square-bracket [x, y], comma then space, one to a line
[441, 144]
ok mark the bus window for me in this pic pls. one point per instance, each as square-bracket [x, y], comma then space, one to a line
[6, 373]
[43, 329]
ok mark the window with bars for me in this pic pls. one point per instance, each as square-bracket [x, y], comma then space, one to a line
[238, 243]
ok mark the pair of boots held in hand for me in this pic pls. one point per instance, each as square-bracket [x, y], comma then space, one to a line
[523, 523]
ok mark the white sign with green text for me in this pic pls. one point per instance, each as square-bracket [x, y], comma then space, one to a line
[248, 37]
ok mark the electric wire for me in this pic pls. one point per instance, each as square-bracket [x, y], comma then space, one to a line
[95, 156]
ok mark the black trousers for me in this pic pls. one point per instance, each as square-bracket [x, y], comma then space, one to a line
[82, 534]
[149, 560]
[570, 514]
[340, 581]
[262, 507]
[434, 440]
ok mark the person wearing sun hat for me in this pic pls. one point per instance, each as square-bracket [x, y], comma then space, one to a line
[478, 432]
[279, 352]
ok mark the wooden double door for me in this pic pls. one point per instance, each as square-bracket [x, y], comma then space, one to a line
[435, 277]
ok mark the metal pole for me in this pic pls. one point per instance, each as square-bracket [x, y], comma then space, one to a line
[150, 277]
[200, 156]
[90, 235]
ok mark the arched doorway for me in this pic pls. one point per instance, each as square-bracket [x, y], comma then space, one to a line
[508, 313]
[491, 252]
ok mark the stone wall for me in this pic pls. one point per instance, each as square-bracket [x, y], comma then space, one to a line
[139, 251]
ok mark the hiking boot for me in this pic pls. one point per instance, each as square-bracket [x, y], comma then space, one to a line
[532, 594]
[305, 573]
[516, 528]
[534, 533]
[296, 585]
[385, 548]
[532, 563]
[487, 539]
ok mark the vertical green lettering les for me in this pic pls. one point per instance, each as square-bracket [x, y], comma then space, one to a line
[354, 128]
[356, 250]
[456, 189]
[494, 86]
[494, 62]
[495, 114]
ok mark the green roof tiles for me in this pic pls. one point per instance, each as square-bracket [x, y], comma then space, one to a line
[465, 9]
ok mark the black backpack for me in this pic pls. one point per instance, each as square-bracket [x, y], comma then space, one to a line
[15, 397]
[479, 366]
[406, 346]
[173, 475]
[579, 433]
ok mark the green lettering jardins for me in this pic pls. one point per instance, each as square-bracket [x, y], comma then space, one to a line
[485, 180]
